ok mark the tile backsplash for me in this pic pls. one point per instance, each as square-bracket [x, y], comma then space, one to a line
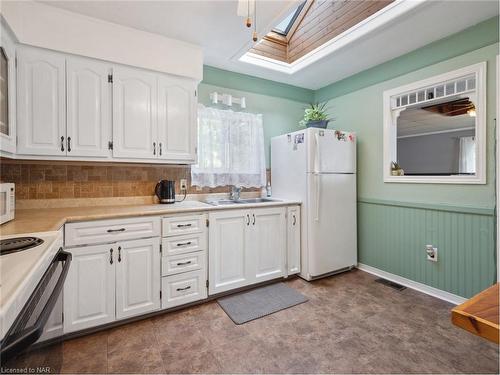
[59, 180]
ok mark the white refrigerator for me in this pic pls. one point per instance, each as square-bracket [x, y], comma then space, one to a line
[318, 167]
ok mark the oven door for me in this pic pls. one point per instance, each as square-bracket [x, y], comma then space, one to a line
[22, 346]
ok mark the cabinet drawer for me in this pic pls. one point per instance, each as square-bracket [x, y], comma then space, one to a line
[183, 288]
[171, 265]
[184, 244]
[102, 231]
[175, 225]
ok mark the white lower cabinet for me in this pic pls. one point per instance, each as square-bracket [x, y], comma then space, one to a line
[293, 240]
[246, 247]
[183, 263]
[110, 282]
[89, 290]
[137, 277]
[183, 288]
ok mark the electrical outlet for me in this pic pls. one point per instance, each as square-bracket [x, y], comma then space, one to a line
[432, 253]
[183, 184]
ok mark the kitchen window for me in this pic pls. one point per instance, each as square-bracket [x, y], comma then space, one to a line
[230, 149]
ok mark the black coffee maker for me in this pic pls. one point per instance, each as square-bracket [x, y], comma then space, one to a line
[165, 191]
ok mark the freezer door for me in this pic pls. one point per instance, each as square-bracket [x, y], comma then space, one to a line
[331, 151]
[331, 223]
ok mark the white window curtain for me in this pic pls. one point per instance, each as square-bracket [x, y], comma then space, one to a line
[230, 149]
[467, 155]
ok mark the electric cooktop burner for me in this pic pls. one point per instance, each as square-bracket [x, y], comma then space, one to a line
[13, 245]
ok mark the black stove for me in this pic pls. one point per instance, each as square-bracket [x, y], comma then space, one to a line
[13, 245]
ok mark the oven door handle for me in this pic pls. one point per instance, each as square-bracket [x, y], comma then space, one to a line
[19, 341]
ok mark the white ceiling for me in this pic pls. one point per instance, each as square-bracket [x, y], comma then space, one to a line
[215, 26]
[417, 121]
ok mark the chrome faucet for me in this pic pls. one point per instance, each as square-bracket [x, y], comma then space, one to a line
[234, 195]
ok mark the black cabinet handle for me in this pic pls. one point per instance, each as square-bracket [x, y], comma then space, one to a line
[160, 148]
[253, 219]
[116, 230]
[154, 148]
[62, 144]
[248, 219]
[69, 144]
[119, 253]
[184, 263]
[184, 244]
[181, 289]
[294, 220]
[110, 256]
[183, 225]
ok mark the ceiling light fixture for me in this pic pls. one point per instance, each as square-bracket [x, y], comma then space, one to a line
[255, 37]
[472, 112]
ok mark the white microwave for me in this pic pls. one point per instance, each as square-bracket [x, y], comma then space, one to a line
[7, 202]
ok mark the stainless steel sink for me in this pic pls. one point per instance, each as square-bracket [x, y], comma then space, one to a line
[224, 202]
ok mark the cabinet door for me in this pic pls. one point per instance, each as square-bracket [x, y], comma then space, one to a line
[138, 277]
[89, 290]
[177, 124]
[228, 250]
[7, 92]
[89, 108]
[268, 243]
[41, 103]
[293, 240]
[134, 114]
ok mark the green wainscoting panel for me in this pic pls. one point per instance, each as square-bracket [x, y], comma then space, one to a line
[393, 238]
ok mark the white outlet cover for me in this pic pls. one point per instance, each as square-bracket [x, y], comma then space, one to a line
[183, 184]
[435, 258]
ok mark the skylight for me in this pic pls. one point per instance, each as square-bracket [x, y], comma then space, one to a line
[284, 26]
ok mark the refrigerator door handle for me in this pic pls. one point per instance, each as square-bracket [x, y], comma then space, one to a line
[318, 193]
[317, 163]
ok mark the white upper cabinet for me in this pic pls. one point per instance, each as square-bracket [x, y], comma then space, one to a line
[176, 118]
[88, 108]
[41, 102]
[138, 277]
[268, 240]
[7, 92]
[78, 108]
[134, 114]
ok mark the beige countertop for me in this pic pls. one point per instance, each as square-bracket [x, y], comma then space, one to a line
[52, 219]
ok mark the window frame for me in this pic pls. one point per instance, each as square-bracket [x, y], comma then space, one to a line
[292, 21]
[390, 131]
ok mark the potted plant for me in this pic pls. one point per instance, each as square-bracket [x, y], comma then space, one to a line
[315, 116]
[396, 169]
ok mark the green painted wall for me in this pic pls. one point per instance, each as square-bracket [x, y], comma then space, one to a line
[392, 237]
[361, 111]
[280, 115]
[237, 81]
[396, 221]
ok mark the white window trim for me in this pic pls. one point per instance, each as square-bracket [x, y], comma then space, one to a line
[390, 139]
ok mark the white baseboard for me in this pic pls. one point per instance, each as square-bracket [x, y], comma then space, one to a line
[438, 293]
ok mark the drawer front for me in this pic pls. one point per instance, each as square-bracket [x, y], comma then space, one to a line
[183, 288]
[184, 244]
[171, 265]
[176, 225]
[102, 231]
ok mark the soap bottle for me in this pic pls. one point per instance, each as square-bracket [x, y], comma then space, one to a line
[268, 189]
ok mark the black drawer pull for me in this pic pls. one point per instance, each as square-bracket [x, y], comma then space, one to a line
[183, 225]
[184, 244]
[181, 289]
[116, 230]
[184, 263]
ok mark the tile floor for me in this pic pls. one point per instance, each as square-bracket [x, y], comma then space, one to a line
[349, 325]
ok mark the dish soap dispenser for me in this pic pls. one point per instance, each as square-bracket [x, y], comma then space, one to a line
[268, 189]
